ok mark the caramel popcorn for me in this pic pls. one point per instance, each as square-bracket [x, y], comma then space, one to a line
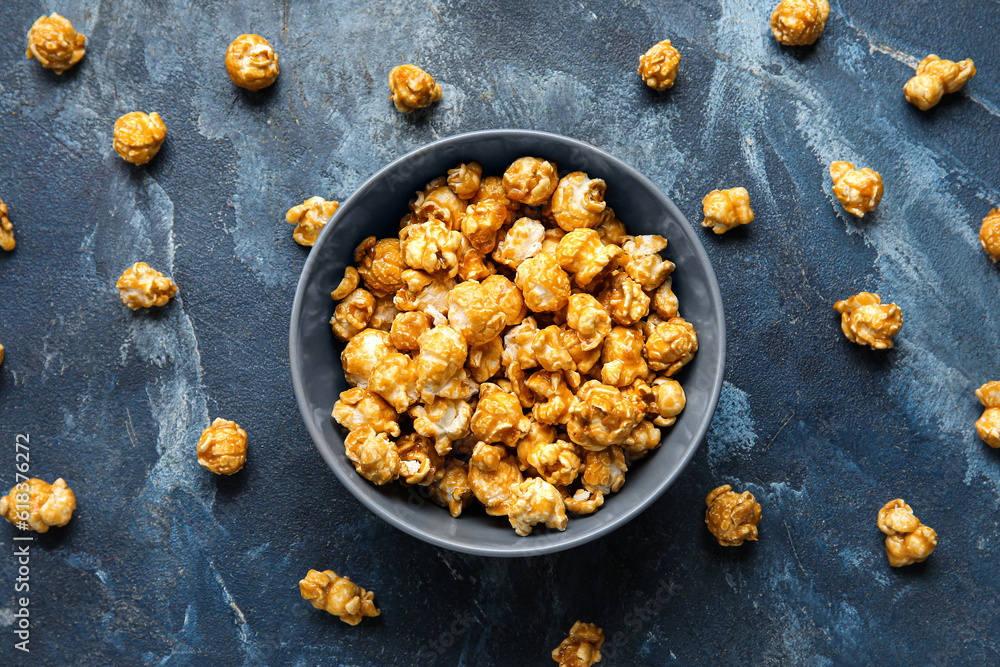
[671, 345]
[621, 357]
[384, 315]
[588, 318]
[664, 300]
[658, 66]
[482, 222]
[394, 378]
[934, 78]
[444, 419]
[251, 62]
[604, 471]
[55, 43]
[988, 425]
[443, 352]
[1, 353]
[858, 190]
[536, 501]
[582, 501]
[611, 229]
[732, 517]
[437, 201]
[419, 462]
[407, 328]
[584, 359]
[498, 417]
[491, 188]
[492, 475]
[508, 296]
[989, 234]
[381, 265]
[222, 448]
[726, 209]
[412, 88]
[426, 293]
[578, 201]
[553, 397]
[309, 219]
[142, 286]
[581, 253]
[582, 648]
[431, 246]
[624, 300]
[485, 360]
[373, 454]
[642, 262]
[361, 354]
[352, 314]
[865, 320]
[548, 350]
[452, 490]
[7, 241]
[544, 285]
[359, 407]
[338, 596]
[347, 285]
[38, 505]
[907, 540]
[522, 241]
[643, 439]
[138, 136]
[471, 312]
[799, 22]
[465, 178]
[530, 180]
[600, 416]
[669, 401]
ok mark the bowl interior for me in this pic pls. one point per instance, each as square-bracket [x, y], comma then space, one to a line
[375, 209]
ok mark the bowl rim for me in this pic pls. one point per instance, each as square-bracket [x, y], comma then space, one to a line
[528, 549]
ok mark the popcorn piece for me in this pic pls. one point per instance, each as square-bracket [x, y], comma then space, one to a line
[445, 420]
[658, 66]
[664, 300]
[338, 596]
[465, 178]
[481, 223]
[1, 353]
[988, 425]
[858, 190]
[419, 462]
[347, 285]
[38, 505]
[604, 471]
[443, 351]
[726, 209]
[557, 462]
[407, 328]
[989, 234]
[222, 448]
[522, 241]
[373, 454]
[732, 517]
[7, 241]
[865, 320]
[622, 357]
[611, 229]
[908, 541]
[582, 648]
[508, 296]
[581, 253]
[142, 286]
[548, 350]
[558, 397]
[588, 318]
[431, 246]
[385, 313]
[439, 202]
[578, 201]
[538, 434]
[471, 312]
[491, 476]
[251, 63]
[583, 359]
[530, 180]
[352, 314]
[624, 300]
[642, 262]
[498, 416]
[669, 401]
[643, 439]
[536, 501]
[412, 88]
[518, 342]
[394, 378]
[671, 345]
[361, 354]
[583, 501]
[934, 78]
[359, 407]
[485, 360]
[309, 219]
[381, 265]
[452, 490]
[138, 137]
[543, 283]
[799, 22]
[426, 293]
[55, 43]
[600, 416]
[492, 189]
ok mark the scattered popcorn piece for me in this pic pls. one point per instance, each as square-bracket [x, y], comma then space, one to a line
[38, 505]
[530, 180]
[412, 88]
[498, 416]
[1, 353]
[347, 285]
[142, 286]
[989, 234]
[907, 540]
[544, 285]
[55, 43]
[799, 22]
[858, 190]
[936, 77]
[352, 315]
[452, 490]
[621, 357]
[431, 246]
[669, 401]
[624, 300]
[338, 596]
[604, 471]
[471, 312]
[381, 265]
[582, 253]
[988, 425]
[482, 222]
[726, 209]
[445, 419]
[465, 178]
[578, 201]
[582, 648]
[642, 262]
[359, 407]
[251, 62]
[600, 416]
[536, 501]
[492, 475]
[222, 448]
[374, 455]
[865, 320]
[7, 241]
[671, 345]
[138, 136]
[522, 241]
[658, 66]
[309, 219]
[361, 354]
[732, 517]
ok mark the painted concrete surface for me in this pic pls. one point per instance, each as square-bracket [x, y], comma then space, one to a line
[164, 564]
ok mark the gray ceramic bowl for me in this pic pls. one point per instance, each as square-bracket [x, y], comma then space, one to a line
[376, 208]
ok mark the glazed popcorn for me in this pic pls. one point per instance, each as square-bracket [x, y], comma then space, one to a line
[988, 425]
[222, 448]
[352, 314]
[522, 241]
[412, 88]
[582, 501]
[865, 320]
[642, 262]
[431, 247]
[425, 292]
[671, 345]
[142, 286]
[484, 361]
[381, 265]
[394, 378]
[54, 42]
[621, 357]
[498, 416]
[582, 254]
[643, 439]
[37, 505]
[726, 209]
[443, 419]
[473, 314]
[582, 648]
[624, 300]
[544, 285]
[492, 477]
[359, 407]
[558, 463]
[989, 234]
[7, 241]
[604, 471]
[138, 136]
[587, 317]
[858, 190]
[553, 397]
[578, 201]
[437, 201]
[373, 454]
[465, 178]
[732, 517]
[907, 540]
[419, 462]
[406, 329]
[548, 350]
[440, 371]
[385, 313]
[600, 416]
[452, 490]
[338, 596]
[251, 62]
[309, 218]
[936, 77]
[362, 352]
[664, 300]
[347, 285]
[799, 22]
[669, 401]
[530, 180]
[658, 66]
[481, 224]
[536, 501]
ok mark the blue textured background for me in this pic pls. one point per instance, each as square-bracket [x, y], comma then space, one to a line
[165, 564]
